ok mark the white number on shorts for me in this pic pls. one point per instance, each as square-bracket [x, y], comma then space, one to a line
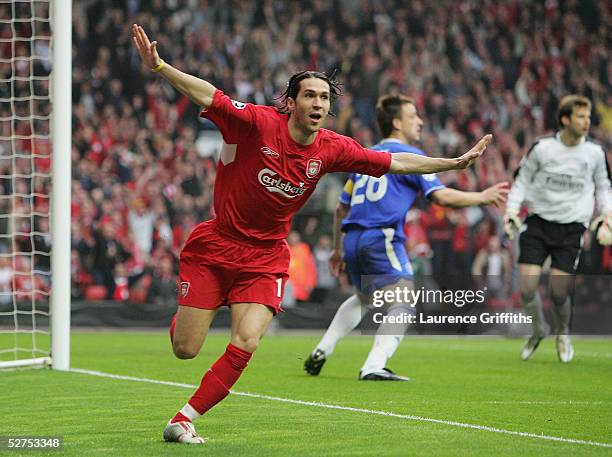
[279, 292]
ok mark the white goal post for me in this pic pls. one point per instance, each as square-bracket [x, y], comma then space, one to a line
[35, 34]
[61, 134]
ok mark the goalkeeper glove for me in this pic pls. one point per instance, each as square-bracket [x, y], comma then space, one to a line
[603, 225]
[512, 223]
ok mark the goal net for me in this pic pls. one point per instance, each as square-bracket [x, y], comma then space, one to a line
[26, 177]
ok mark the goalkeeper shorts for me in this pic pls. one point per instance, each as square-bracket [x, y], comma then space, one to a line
[541, 238]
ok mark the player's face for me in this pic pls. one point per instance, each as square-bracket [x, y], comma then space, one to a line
[579, 121]
[311, 107]
[411, 123]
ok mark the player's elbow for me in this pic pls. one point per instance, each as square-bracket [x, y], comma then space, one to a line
[441, 197]
[437, 199]
[199, 92]
[342, 210]
[200, 100]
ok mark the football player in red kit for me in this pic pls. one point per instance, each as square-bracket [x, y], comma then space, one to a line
[271, 161]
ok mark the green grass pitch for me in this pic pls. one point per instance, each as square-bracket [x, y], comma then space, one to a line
[478, 381]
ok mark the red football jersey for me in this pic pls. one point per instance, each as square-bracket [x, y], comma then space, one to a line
[264, 177]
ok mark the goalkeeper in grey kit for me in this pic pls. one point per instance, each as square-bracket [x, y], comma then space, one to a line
[559, 179]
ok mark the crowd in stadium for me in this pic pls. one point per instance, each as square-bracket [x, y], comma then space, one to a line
[143, 172]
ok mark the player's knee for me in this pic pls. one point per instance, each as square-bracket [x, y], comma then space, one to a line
[527, 294]
[184, 351]
[246, 343]
[558, 298]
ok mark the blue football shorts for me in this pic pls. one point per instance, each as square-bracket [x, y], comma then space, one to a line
[376, 258]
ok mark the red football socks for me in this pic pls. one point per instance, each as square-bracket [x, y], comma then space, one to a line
[216, 383]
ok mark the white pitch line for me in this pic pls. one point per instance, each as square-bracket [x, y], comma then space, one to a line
[596, 354]
[355, 410]
[528, 402]
[464, 347]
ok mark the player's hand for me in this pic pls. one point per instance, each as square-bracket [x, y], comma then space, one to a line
[512, 223]
[335, 263]
[146, 49]
[495, 195]
[470, 157]
[603, 225]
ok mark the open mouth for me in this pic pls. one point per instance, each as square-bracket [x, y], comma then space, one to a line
[315, 116]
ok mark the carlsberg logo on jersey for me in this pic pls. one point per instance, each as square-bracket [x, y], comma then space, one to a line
[278, 185]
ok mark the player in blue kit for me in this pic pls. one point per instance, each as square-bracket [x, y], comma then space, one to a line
[371, 215]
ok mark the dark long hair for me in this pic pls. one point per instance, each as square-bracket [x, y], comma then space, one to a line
[293, 87]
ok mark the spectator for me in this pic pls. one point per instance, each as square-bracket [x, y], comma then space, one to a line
[440, 234]
[122, 289]
[493, 268]
[42, 246]
[471, 66]
[6, 280]
[108, 252]
[325, 281]
[141, 220]
[418, 249]
[302, 269]
[163, 288]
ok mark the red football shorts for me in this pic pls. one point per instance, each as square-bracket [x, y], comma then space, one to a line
[215, 271]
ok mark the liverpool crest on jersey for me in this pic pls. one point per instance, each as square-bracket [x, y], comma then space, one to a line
[184, 289]
[313, 167]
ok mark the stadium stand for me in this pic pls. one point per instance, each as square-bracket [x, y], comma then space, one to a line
[144, 162]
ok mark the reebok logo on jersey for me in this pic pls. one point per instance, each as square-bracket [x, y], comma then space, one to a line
[278, 185]
[270, 152]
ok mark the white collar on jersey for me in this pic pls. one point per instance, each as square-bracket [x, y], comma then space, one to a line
[390, 140]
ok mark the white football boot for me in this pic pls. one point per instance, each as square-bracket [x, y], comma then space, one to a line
[530, 346]
[182, 432]
[565, 350]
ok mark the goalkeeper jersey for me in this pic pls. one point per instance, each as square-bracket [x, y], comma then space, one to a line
[559, 183]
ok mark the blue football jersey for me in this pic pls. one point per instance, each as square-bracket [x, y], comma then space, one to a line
[384, 201]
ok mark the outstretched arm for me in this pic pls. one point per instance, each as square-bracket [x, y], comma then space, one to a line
[198, 90]
[494, 195]
[406, 163]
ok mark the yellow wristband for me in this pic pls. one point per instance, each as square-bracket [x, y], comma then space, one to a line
[159, 66]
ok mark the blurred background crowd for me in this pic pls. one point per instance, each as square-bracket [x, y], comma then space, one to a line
[144, 163]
